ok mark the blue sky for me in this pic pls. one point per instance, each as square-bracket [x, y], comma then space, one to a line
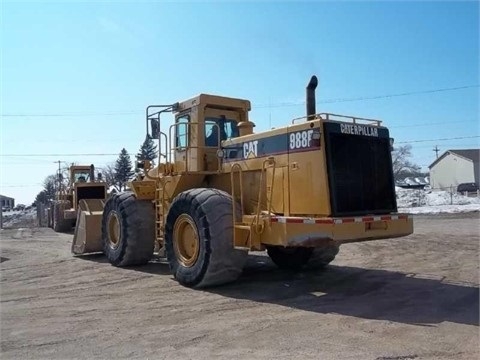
[97, 66]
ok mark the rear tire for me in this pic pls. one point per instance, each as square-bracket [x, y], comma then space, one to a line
[199, 239]
[128, 230]
[289, 258]
[323, 256]
[60, 224]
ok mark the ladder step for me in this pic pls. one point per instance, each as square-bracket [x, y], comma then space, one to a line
[242, 226]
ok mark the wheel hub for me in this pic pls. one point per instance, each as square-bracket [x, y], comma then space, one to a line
[186, 240]
[113, 224]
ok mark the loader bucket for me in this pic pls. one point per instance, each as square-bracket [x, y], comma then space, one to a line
[88, 231]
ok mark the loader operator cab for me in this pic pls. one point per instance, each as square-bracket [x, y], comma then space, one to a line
[193, 141]
[80, 174]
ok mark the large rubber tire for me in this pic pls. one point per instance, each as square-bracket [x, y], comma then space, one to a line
[296, 258]
[209, 214]
[60, 224]
[289, 258]
[323, 256]
[128, 230]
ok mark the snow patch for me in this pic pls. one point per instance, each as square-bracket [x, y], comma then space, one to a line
[434, 202]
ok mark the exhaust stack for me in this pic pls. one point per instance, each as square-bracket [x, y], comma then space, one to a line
[92, 173]
[312, 85]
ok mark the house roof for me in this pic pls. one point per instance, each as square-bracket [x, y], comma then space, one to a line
[6, 197]
[471, 154]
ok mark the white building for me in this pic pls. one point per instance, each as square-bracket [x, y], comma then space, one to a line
[455, 167]
[6, 201]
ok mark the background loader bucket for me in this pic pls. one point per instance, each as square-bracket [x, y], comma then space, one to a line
[88, 232]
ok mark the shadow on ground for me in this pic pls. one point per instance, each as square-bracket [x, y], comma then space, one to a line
[156, 265]
[352, 291]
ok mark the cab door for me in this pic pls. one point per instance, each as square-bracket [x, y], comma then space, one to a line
[219, 125]
[182, 153]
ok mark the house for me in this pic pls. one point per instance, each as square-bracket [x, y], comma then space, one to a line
[7, 202]
[454, 167]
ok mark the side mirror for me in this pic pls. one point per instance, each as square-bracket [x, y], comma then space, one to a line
[155, 128]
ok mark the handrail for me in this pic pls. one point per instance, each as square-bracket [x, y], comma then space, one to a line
[166, 147]
[236, 168]
[328, 116]
[269, 161]
[188, 148]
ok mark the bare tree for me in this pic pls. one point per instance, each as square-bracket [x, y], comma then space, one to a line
[109, 176]
[47, 195]
[401, 163]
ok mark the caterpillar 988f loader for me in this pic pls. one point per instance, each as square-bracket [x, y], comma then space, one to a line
[82, 189]
[220, 190]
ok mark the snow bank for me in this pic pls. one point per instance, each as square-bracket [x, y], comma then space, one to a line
[441, 209]
[14, 218]
[434, 202]
[415, 198]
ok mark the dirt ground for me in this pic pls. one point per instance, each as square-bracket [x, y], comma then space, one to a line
[409, 298]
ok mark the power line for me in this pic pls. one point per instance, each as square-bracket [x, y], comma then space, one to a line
[428, 124]
[338, 100]
[14, 155]
[444, 139]
[103, 154]
[259, 106]
[72, 114]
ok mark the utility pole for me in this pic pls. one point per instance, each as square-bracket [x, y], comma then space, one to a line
[436, 149]
[57, 182]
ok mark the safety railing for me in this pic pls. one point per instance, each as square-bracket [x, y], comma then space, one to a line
[337, 117]
[269, 162]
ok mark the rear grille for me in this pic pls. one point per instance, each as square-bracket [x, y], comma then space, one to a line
[359, 170]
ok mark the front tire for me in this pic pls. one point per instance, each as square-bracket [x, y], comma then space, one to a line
[128, 230]
[199, 239]
[60, 224]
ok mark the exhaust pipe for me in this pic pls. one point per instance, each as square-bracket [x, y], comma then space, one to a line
[312, 85]
[92, 173]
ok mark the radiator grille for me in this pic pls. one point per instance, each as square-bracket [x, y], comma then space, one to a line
[360, 172]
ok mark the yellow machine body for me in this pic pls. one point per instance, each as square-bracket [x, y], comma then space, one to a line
[280, 177]
[82, 185]
[321, 181]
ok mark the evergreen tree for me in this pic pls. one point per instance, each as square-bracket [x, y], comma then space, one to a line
[148, 150]
[123, 169]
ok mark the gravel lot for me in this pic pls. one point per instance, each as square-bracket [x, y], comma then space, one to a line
[409, 298]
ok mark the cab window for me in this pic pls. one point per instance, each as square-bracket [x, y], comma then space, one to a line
[182, 131]
[219, 129]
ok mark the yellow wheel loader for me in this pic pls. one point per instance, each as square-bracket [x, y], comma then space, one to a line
[83, 190]
[220, 190]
